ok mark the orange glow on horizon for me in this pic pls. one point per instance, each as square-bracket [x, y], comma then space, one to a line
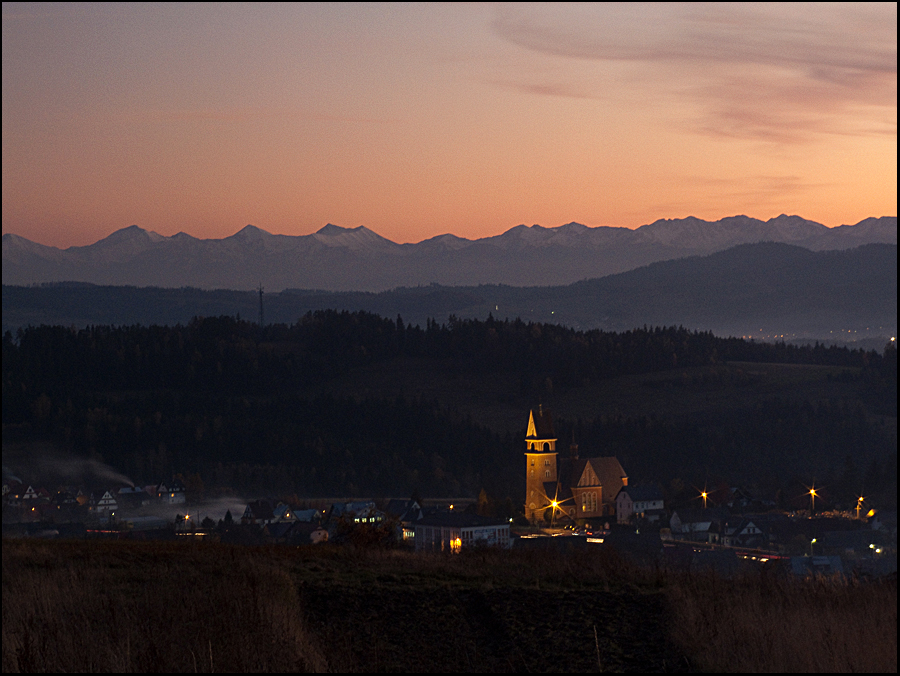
[417, 121]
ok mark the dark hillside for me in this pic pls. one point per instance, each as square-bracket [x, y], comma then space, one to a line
[351, 403]
[776, 288]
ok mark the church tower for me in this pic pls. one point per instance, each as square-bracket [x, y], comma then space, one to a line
[540, 463]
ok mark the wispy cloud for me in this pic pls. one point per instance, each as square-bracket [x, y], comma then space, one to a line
[239, 116]
[772, 72]
[723, 195]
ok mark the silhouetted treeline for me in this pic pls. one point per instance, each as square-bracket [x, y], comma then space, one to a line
[231, 355]
[221, 398]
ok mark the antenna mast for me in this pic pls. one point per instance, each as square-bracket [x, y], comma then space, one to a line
[260, 307]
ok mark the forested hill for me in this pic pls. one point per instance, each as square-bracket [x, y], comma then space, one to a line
[249, 409]
[225, 354]
[776, 288]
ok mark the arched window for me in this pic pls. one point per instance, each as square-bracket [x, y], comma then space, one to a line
[546, 446]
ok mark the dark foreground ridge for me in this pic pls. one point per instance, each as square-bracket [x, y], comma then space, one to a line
[124, 607]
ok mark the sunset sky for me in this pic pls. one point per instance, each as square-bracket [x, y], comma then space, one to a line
[419, 120]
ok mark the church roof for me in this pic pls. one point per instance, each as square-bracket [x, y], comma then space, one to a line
[608, 470]
[540, 425]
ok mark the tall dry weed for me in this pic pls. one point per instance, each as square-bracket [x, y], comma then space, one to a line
[108, 607]
[775, 624]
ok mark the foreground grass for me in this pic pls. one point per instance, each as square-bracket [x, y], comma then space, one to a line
[135, 607]
[769, 624]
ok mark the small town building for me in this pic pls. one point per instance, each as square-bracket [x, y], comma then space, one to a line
[744, 532]
[171, 492]
[699, 525]
[357, 512]
[283, 514]
[106, 504]
[453, 532]
[258, 513]
[639, 502]
[132, 497]
[407, 513]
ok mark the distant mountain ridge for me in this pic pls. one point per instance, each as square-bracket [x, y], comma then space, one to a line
[759, 289]
[358, 259]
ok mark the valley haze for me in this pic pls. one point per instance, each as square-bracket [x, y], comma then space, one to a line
[357, 259]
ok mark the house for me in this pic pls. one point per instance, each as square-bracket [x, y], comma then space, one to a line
[258, 513]
[454, 531]
[295, 533]
[407, 513]
[64, 500]
[283, 514]
[357, 512]
[643, 502]
[307, 515]
[107, 503]
[744, 532]
[566, 488]
[12, 492]
[171, 492]
[699, 525]
[131, 497]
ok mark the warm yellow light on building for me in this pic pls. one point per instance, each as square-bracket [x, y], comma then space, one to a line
[456, 545]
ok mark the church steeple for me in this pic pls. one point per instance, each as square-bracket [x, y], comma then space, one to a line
[540, 463]
[540, 436]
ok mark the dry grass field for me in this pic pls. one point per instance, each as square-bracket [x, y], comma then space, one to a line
[136, 607]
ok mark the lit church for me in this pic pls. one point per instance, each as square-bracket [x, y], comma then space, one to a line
[570, 487]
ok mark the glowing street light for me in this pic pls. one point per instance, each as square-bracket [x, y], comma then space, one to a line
[811, 543]
[703, 495]
[859, 502]
[812, 498]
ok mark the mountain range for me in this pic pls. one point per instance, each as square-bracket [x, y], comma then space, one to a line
[358, 259]
[766, 289]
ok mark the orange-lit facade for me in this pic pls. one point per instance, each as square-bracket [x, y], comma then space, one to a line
[566, 489]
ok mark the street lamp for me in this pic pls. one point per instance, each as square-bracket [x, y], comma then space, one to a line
[859, 502]
[811, 543]
[812, 497]
[703, 495]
